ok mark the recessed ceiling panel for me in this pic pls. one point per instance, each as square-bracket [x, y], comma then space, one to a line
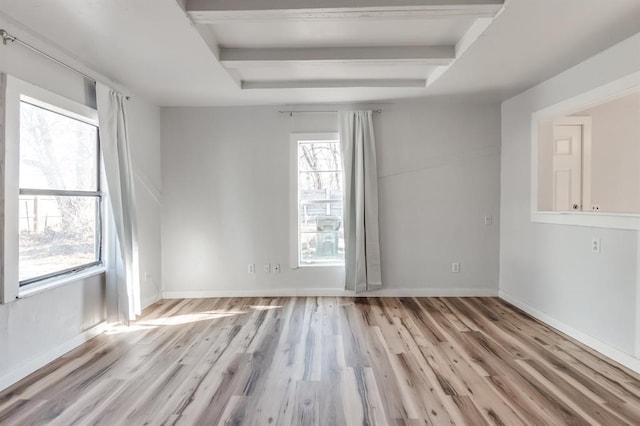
[334, 71]
[337, 33]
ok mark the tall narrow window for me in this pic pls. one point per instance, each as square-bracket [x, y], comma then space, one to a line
[59, 206]
[319, 195]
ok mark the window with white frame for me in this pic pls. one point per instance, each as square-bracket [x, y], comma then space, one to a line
[319, 196]
[59, 209]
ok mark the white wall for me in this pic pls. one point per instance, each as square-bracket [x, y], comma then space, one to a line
[615, 162]
[144, 135]
[37, 328]
[545, 165]
[549, 269]
[226, 199]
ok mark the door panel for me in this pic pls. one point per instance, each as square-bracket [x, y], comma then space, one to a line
[562, 190]
[567, 167]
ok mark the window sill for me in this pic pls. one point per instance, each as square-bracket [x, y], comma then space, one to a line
[320, 265]
[51, 283]
[589, 219]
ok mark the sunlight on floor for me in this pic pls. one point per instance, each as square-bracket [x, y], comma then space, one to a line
[150, 324]
[189, 318]
[120, 329]
[264, 307]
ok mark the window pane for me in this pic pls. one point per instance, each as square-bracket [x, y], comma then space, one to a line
[319, 248]
[321, 181]
[321, 232]
[320, 193]
[56, 152]
[56, 233]
[319, 156]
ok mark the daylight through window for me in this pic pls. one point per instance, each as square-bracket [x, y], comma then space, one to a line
[320, 192]
[59, 209]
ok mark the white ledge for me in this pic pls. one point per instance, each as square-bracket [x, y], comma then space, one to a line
[435, 55]
[324, 84]
[589, 219]
[211, 11]
[51, 283]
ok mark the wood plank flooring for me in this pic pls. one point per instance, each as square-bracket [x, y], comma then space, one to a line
[328, 361]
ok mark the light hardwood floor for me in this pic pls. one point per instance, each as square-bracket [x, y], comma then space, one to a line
[328, 361]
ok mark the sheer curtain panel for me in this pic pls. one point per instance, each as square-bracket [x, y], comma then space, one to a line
[362, 245]
[123, 278]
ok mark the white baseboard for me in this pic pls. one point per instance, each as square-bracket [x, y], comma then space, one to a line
[432, 292]
[594, 343]
[334, 292]
[23, 370]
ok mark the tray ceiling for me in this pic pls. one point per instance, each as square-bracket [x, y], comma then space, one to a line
[275, 44]
[188, 53]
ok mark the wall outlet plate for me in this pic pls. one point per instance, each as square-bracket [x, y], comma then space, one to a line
[251, 268]
[455, 267]
[275, 268]
[266, 268]
[595, 245]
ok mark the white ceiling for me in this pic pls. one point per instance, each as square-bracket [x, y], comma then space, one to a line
[327, 33]
[153, 47]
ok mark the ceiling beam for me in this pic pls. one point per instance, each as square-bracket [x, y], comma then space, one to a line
[211, 11]
[472, 35]
[433, 55]
[327, 84]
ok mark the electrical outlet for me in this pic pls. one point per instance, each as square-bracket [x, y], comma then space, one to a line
[275, 268]
[455, 267]
[595, 207]
[488, 220]
[266, 268]
[595, 245]
[251, 268]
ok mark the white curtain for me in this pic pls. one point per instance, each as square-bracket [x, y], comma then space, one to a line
[123, 277]
[362, 245]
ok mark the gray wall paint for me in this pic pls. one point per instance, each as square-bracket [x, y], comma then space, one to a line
[551, 267]
[38, 324]
[144, 136]
[35, 326]
[226, 197]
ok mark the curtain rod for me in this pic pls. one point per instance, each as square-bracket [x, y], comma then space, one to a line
[8, 37]
[379, 111]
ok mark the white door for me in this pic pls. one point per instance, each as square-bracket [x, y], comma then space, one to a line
[567, 167]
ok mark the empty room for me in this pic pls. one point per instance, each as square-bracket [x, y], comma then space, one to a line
[320, 212]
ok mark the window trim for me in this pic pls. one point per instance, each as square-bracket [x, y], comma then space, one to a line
[295, 138]
[95, 194]
[12, 92]
[575, 104]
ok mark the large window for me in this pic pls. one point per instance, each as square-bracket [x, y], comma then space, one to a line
[319, 200]
[59, 206]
